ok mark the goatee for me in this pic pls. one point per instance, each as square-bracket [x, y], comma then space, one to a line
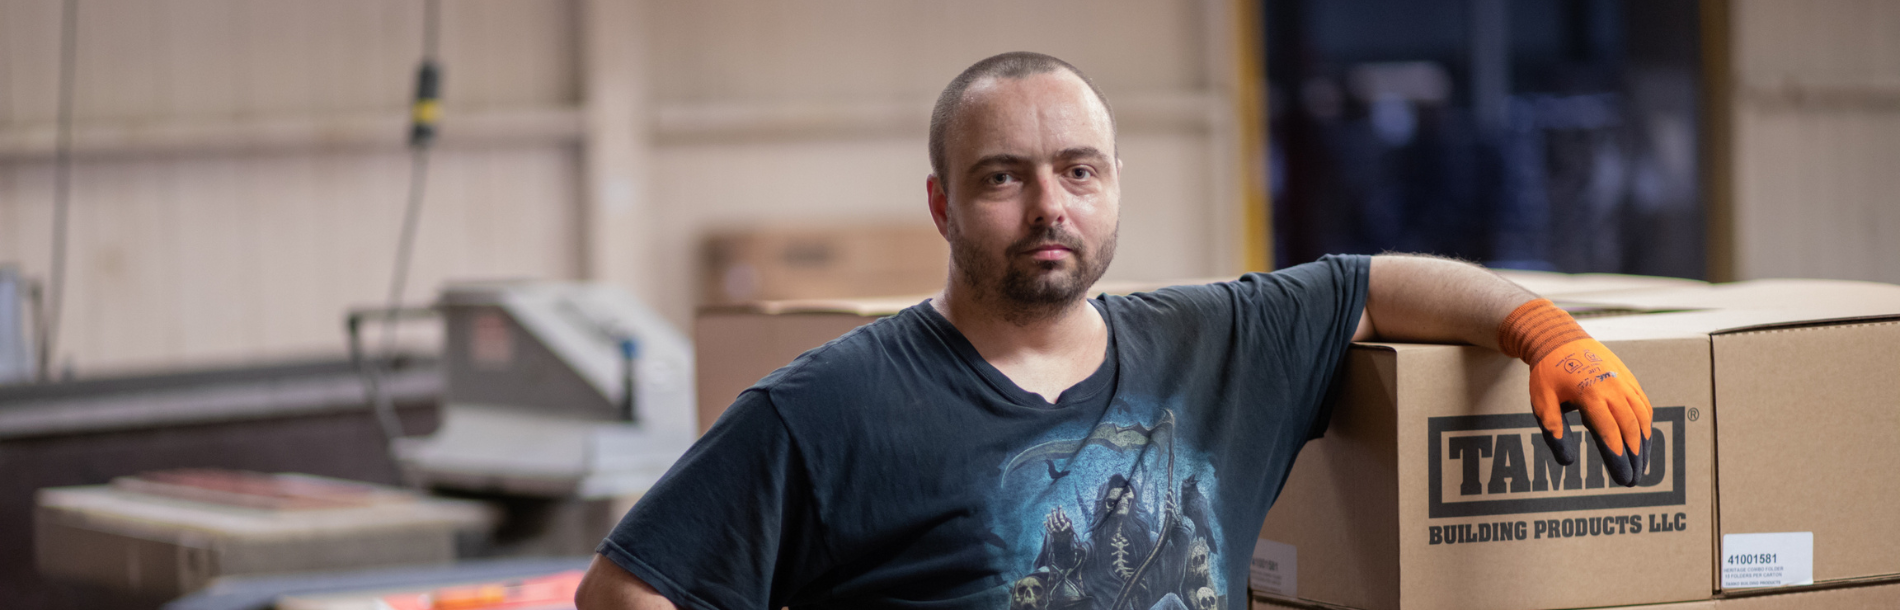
[1028, 289]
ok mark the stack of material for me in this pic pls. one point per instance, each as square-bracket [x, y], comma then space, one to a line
[167, 533]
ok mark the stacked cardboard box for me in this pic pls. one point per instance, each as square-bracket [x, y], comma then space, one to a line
[1774, 404]
[1806, 386]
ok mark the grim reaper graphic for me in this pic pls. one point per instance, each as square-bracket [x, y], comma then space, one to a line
[1142, 540]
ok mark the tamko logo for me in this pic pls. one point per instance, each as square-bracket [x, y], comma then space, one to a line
[1479, 467]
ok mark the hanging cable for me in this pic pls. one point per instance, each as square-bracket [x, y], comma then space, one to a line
[422, 117]
[62, 187]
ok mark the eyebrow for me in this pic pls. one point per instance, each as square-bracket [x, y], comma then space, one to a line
[995, 160]
[1080, 152]
[1067, 154]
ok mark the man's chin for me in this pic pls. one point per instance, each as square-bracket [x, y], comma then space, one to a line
[1045, 288]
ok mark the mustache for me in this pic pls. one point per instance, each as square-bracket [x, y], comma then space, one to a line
[1048, 236]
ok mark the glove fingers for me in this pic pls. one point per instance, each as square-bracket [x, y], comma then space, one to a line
[1645, 419]
[1634, 444]
[1645, 412]
[1618, 465]
[1550, 417]
[1609, 438]
[1643, 470]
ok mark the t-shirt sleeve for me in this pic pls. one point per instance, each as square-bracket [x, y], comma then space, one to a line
[1299, 321]
[723, 527]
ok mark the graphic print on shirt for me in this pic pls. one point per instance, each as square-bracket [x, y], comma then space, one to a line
[1116, 516]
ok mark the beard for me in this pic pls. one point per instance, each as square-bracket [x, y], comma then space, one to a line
[1029, 288]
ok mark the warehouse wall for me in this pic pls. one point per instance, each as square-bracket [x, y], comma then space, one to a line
[816, 112]
[241, 172]
[1816, 139]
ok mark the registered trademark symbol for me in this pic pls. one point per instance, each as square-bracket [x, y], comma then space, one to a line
[1694, 414]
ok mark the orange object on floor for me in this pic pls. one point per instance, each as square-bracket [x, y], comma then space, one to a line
[552, 591]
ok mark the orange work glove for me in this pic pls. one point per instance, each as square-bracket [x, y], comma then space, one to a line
[1572, 372]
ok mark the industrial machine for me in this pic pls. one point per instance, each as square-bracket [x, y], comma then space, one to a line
[569, 399]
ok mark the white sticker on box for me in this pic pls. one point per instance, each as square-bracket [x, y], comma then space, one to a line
[1767, 560]
[1275, 569]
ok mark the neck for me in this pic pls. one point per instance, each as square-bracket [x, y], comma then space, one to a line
[977, 314]
[1044, 350]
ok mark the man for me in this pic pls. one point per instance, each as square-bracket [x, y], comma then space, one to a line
[1012, 443]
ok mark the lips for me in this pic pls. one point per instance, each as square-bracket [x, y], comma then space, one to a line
[1048, 244]
[1049, 252]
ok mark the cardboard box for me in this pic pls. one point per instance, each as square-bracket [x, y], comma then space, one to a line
[1806, 382]
[735, 346]
[1789, 366]
[1433, 489]
[823, 262]
[1809, 416]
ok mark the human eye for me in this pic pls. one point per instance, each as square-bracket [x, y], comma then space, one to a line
[998, 179]
[1081, 172]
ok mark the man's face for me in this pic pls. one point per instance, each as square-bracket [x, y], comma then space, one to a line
[1031, 200]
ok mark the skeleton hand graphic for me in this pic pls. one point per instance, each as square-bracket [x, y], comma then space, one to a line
[1059, 540]
[1057, 523]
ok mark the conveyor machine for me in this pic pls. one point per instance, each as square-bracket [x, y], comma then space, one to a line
[555, 390]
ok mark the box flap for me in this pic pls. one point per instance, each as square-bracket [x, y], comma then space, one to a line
[1869, 297]
[1819, 321]
[1552, 284]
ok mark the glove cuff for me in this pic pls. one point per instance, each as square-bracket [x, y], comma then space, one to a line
[1535, 329]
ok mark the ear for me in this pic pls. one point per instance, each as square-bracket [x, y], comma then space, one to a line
[939, 204]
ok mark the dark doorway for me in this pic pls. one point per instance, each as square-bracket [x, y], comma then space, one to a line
[1556, 135]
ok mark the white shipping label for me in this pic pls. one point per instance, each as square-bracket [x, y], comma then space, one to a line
[1275, 569]
[1767, 560]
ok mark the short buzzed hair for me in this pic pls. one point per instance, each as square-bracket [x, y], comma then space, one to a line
[1015, 64]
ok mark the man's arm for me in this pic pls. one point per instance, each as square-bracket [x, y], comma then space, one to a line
[1428, 299]
[1424, 299]
[607, 586]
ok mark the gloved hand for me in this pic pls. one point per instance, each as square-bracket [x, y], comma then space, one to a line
[1572, 372]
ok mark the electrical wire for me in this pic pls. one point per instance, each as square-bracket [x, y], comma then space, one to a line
[62, 186]
[421, 136]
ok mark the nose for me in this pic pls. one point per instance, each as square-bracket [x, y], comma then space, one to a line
[1048, 201]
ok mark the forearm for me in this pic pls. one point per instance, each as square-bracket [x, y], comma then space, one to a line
[1427, 299]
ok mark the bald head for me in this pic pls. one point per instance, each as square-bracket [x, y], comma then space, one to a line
[1014, 65]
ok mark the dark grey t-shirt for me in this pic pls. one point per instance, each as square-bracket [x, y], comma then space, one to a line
[895, 468]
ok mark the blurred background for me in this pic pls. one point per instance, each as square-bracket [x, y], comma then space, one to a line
[203, 203]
